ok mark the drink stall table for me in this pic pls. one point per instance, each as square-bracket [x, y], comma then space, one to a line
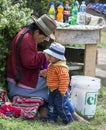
[82, 34]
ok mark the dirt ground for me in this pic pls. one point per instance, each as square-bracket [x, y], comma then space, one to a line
[101, 66]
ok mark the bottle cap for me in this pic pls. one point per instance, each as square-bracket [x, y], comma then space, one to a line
[83, 2]
[60, 3]
[67, 2]
[51, 3]
[75, 3]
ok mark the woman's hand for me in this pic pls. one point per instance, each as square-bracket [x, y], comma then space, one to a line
[43, 73]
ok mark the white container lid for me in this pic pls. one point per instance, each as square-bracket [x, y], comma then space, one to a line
[85, 82]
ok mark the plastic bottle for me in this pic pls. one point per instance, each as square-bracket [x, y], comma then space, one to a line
[82, 14]
[104, 9]
[66, 13]
[52, 11]
[74, 14]
[71, 6]
[60, 12]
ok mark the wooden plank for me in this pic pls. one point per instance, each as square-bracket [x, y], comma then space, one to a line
[90, 59]
[76, 36]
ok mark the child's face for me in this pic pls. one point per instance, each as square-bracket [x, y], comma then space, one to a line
[52, 59]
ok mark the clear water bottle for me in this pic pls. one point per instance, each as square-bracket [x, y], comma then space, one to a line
[81, 19]
[60, 12]
[104, 9]
[52, 11]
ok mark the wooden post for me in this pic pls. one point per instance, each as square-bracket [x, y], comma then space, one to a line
[90, 59]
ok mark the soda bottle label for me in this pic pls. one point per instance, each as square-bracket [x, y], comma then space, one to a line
[66, 13]
[81, 20]
[51, 11]
[82, 9]
[52, 16]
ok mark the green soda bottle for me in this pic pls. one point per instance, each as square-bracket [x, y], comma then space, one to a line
[73, 20]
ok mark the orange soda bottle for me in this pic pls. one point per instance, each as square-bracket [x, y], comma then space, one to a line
[60, 12]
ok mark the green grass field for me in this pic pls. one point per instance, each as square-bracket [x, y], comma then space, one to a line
[102, 43]
[98, 122]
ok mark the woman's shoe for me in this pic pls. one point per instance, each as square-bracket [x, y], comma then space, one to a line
[43, 113]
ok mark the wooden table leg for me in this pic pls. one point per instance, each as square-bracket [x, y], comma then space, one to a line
[90, 59]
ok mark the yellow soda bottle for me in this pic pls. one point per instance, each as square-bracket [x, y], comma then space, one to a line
[52, 11]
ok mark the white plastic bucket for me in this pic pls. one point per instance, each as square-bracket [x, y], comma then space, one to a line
[84, 94]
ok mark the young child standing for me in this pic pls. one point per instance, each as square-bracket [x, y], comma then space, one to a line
[57, 82]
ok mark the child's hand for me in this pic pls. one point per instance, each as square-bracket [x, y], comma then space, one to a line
[43, 73]
[62, 93]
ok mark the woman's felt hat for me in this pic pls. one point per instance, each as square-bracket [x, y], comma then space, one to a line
[46, 24]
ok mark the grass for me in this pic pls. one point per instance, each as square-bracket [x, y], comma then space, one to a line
[102, 43]
[98, 122]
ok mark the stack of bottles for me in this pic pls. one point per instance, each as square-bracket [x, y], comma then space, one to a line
[62, 14]
[98, 7]
[71, 13]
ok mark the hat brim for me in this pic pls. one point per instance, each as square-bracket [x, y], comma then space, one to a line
[52, 36]
[61, 57]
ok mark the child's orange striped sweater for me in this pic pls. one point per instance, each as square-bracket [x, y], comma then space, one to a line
[58, 77]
